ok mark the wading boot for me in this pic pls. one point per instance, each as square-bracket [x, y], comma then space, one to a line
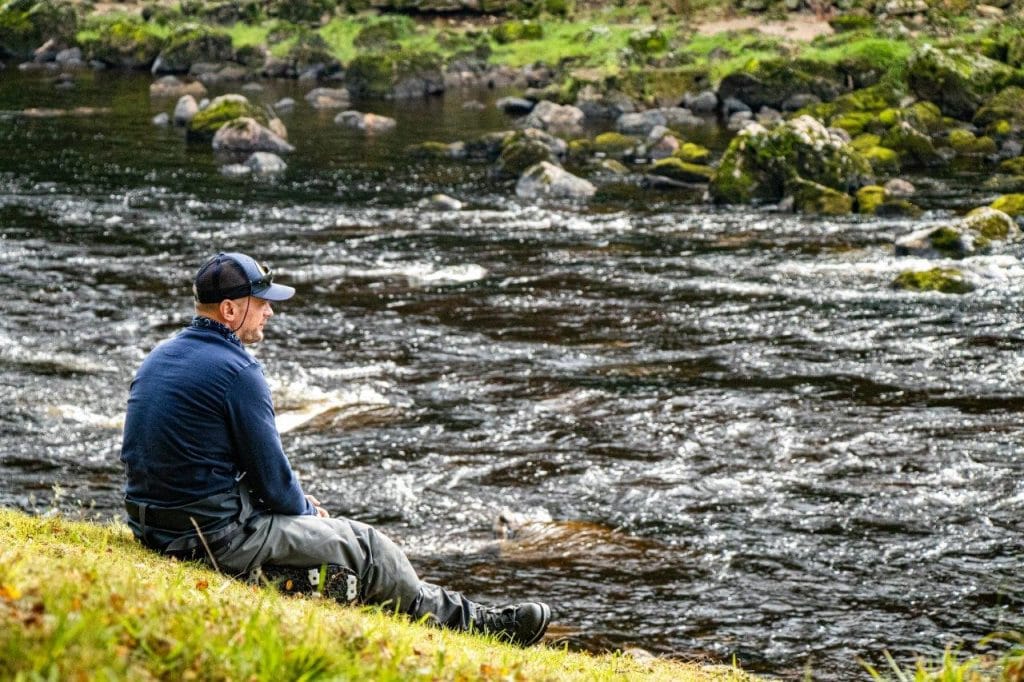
[521, 624]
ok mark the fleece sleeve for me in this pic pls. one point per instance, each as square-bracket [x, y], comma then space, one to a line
[250, 413]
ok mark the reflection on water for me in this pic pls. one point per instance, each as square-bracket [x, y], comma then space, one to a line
[723, 431]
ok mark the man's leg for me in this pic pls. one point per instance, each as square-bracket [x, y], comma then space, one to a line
[385, 575]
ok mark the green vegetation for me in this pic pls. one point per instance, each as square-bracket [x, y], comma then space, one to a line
[80, 597]
[1007, 664]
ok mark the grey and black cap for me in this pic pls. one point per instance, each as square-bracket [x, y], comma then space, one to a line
[235, 275]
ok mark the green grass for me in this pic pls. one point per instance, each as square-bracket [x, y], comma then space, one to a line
[84, 601]
[954, 667]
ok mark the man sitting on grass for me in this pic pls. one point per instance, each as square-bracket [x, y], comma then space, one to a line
[207, 477]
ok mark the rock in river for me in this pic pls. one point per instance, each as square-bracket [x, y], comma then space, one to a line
[548, 180]
[246, 135]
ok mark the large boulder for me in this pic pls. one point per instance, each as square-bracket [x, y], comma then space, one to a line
[125, 42]
[193, 44]
[559, 119]
[771, 82]
[956, 80]
[399, 74]
[219, 112]
[765, 165]
[1006, 105]
[27, 24]
[548, 180]
[974, 233]
[527, 148]
[247, 135]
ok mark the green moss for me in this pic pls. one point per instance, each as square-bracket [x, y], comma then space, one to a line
[944, 280]
[947, 241]
[649, 42]
[520, 153]
[898, 208]
[677, 169]
[193, 43]
[220, 112]
[515, 31]
[813, 198]
[1010, 204]
[300, 11]
[653, 84]
[869, 198]
[693, 153]
[383, 34]
[27, 24]
[614, 144]
[889, 117]
[991, 223]
[854, 122]
[865, 141]
[122, 40]
[965, 143]
[1006, 105]
[844, 23]
[1013, 166]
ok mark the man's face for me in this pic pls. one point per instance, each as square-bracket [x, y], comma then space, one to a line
[251, 329]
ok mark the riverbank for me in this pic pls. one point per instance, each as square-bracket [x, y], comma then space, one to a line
[82, 597]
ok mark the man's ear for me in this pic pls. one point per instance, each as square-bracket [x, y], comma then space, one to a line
[227, 309]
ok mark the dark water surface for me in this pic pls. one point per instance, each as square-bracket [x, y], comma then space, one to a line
[747, 442]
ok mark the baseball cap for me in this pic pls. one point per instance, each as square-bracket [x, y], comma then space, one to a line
[234, 275]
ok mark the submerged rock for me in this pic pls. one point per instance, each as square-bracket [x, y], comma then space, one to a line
[943, 280]
[266, 163]
[546, 180]
[185, 110]
[367, 123]
[328, 98]
[247, 135]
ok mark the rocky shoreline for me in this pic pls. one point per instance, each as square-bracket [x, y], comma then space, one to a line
[827, 127]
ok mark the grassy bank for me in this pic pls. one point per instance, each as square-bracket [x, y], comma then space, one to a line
[84, 601]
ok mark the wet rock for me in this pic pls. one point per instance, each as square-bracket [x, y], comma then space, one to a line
[679, 118]
[763, 165]
[1006, 105]
[367, 123]
[816, 199]
[740, 120]
[664, 146]
[161, 119]
[328, 98]
[614, 145]
[560, 119]
[266, 163]
[992, 224]
[285, 104]
[640, 123]
[185, 110]
[219, 112]
[27, 24]
[943, 280]
[898, 208]
[913, 147]
[597, 103]
[70, 57]
[546, 180]
[677, 169]
[732, 105]
[957, 81]
[443, 202]
[277, 127]
[974, 233]
[966, 143]
[898, 187]
[172, 86]
[527, 148]
[395, 75]
[771, 82]
[247, 135]
[799, 101]
[515, 106]
[705, 102]
[869, 198]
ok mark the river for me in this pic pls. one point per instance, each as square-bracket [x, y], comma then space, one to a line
[730, 434]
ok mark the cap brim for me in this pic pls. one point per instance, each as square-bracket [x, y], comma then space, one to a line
[275, 292]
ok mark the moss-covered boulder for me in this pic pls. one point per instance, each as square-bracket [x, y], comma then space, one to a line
[869, 198]
[947, 241]
[992, 224]
[884, 161]
[898, 208]
[300, 11]
[514, 31]
[966, 143]
[813, 198]
[126, 42]
[1014, 166]
[680, 170]
[1010, 204]
[692, 152]
[771, 82]
[956, 80]
[614, 145]
[913, 147]
[398, 75]
[383, 34]
[222, 110]
[192, 44]
[760, 163]
[527, 148]
[943, 280]
[27, 24]
[1006, 105]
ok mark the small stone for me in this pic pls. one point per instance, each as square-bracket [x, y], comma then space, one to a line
[162, 119]
[443, 202]
[235, 170]
[265, 163]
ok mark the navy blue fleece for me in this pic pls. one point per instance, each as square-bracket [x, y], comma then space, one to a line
[199, 416]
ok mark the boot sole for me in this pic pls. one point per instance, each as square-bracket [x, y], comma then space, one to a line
[545, 620]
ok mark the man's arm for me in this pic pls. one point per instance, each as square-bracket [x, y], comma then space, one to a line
[260, 454]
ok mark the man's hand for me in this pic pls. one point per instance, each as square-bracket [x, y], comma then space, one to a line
[320, 511]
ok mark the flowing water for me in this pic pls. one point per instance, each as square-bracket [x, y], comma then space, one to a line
[728, 434]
